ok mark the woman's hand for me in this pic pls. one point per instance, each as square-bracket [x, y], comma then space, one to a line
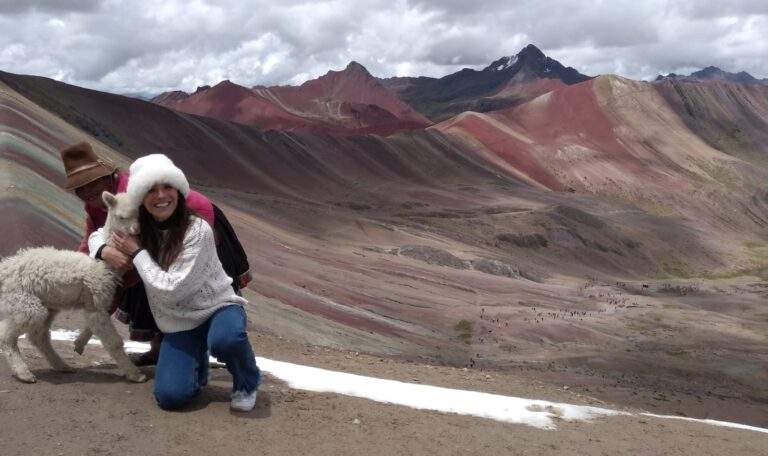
[125, 243]
[117, 259]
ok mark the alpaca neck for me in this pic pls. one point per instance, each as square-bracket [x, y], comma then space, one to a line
[107, 230]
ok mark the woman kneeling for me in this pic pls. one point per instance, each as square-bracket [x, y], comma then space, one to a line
[189, 293]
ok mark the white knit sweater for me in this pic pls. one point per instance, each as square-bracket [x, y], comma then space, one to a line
[194, 286]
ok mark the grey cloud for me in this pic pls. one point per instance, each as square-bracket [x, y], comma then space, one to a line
[466, 49]
[707, 9]
[145, 46]
[21, 6]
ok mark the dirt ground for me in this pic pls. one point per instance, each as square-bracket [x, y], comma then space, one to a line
[95, 412]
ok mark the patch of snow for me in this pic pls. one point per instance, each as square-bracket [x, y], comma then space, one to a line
[727, 424]
[506, 63]
[509, 409]
[540, 414]
[70, 335]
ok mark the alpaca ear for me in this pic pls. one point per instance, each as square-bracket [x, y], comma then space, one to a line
[109, 199]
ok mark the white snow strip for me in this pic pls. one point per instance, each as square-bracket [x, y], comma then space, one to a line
[129, 345]
[708, 421]
[509, 409]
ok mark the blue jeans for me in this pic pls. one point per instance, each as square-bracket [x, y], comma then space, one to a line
[182, 368]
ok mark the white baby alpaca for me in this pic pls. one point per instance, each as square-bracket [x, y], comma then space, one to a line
[35, 284]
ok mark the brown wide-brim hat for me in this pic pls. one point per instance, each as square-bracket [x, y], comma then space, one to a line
[83, 166]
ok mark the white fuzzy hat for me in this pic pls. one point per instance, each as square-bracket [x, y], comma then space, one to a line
[154, 169]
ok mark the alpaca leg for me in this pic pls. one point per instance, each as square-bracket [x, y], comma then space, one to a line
[24, 314]
[82, 339]
[40, 336]
[9, 345]
[101, 325]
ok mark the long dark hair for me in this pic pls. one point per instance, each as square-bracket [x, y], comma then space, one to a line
[165, 251]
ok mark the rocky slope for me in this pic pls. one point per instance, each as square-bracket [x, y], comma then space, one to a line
[713, 73]
[341, 102]
[730, 117]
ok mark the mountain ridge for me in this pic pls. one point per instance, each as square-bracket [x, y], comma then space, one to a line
[505, 82]
[349, 101]
[713, 73]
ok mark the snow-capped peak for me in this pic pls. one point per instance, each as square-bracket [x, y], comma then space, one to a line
[504, 63]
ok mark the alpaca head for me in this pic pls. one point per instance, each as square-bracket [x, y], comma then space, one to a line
[122, 214]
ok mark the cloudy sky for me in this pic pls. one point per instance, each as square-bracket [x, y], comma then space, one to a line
[143, 46]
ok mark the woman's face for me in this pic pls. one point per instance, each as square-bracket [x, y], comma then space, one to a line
[161, 201]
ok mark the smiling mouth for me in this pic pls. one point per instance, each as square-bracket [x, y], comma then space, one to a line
[162, 205]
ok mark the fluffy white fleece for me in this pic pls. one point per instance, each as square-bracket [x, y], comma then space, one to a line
[35, 284]
[154, 169]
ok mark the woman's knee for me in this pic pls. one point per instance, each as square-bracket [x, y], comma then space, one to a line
[229, 342]
[174, 397]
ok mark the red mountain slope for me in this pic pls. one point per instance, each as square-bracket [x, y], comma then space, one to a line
[347, 101]
[620, 139]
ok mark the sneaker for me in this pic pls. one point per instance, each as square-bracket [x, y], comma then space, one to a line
[242, 401]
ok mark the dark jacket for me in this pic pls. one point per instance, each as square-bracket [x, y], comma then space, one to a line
[230, 251]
